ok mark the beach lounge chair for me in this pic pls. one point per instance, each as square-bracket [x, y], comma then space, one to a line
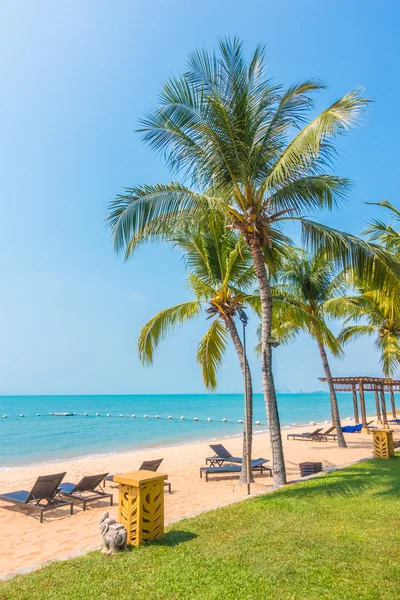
[328, 433]
[147, 465]
[256, 465]
[87, 490]
[310, 435]
[221, 455]
[45, 489]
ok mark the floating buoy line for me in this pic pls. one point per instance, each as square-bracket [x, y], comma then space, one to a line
[122, 416]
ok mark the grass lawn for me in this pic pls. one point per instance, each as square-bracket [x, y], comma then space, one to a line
[335, 537]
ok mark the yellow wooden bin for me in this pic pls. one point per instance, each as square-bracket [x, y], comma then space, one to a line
[141, 505]
[383, 443]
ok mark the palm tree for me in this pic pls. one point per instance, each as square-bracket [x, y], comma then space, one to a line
[249, 152]
[314, 286]
[381, 319]
[378, 307]
[221, 278]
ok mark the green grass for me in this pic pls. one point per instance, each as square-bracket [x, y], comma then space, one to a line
[336, 537]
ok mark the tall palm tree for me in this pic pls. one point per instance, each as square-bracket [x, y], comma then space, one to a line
[221, 278]
[314, 285]
[248, 150]
[381, 319]
[379, 308]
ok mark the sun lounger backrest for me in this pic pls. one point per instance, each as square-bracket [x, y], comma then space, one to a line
[89, 483]
[45, 487]
[328, 431]
[316, 432]
[150, 465]
[220, 451]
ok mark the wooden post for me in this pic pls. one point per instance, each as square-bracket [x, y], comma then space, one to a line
[364, 428]
[355, 403]
[384, 413]
[393, 403]
[378, 410]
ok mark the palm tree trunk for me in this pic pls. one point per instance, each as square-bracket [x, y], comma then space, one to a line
[334, 404]
[248, 425]
[278, 462]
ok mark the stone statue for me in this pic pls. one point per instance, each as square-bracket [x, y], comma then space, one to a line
[114, 535]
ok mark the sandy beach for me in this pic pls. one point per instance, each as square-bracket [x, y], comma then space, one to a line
[30, 543]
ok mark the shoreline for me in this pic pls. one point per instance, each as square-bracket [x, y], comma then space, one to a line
[39, 438]
[159, 446]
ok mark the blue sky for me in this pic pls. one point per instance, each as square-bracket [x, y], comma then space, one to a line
[76, 77]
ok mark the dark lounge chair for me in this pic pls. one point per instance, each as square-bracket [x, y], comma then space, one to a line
[87, 490]
[256, 465]
[147, 465]
[45, 489]
[328, 433]
[310, 435]
[221, 455]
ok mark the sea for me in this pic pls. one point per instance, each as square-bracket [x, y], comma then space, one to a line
[102, 425]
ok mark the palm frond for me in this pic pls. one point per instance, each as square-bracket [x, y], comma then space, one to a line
[385, 204]
[308, 193]
[195, 253]
[131, 213]
[161, 324]
[386, 234]
[210, 352]
[311, 145]
[354, 332]
[286, 332]
[340, 307]
[388, 346]
[369, 262]
[294, 105]
[201, 286]
[293, 314]
[329, 340]
[239, 270]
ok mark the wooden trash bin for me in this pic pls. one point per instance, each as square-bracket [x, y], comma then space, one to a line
[141, 505]
[309, 468]
[383, 443]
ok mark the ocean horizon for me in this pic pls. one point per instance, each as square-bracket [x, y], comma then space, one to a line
[38, 437]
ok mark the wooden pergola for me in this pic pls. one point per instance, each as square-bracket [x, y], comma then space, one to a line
[378, 385]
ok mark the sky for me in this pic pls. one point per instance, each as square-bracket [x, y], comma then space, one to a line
[76, 78]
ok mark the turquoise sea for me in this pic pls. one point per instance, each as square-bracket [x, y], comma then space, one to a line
[35, 439]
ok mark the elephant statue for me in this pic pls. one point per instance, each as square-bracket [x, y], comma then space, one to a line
[114, 535]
